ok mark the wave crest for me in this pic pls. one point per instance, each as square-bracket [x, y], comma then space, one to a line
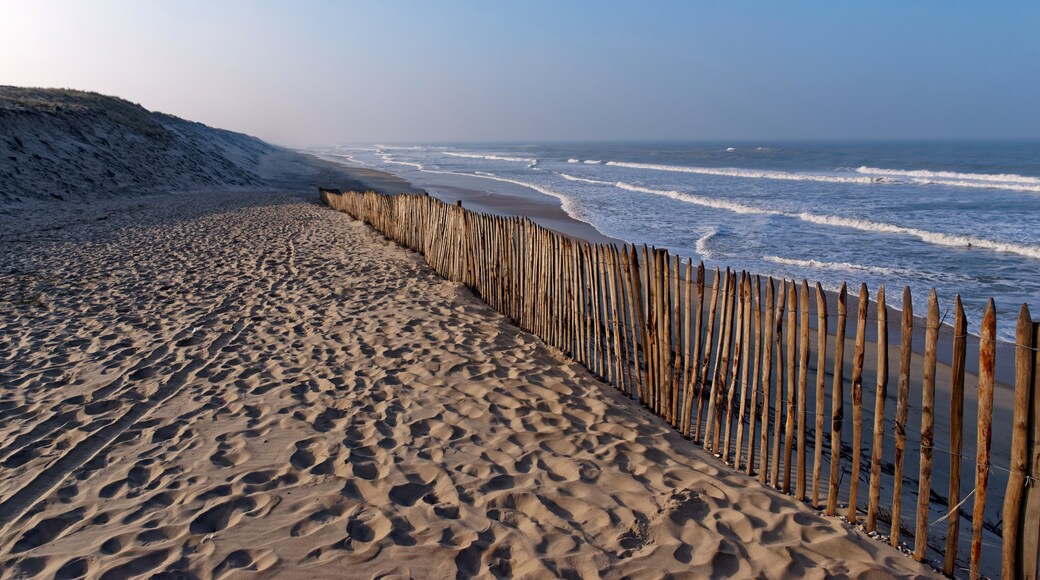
[934, 238]
[490, 157]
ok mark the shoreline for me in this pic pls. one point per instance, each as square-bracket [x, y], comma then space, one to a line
[548, 211]
[543, 209]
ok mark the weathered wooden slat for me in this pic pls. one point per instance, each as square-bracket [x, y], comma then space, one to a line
[821, 379]
[1012, 561]
[706, 358]
[987, 359]
[688, 356]
[792, 387]
[709, 429]
[713, 384]
[1029, 547]
[665, 396]
[767, 368]
[779, 409]
[636, 297]
[659, 301]
[738, 324]
[924, 489]
[623, 320]
[857, 408]
[902, 410]
[719, 391]
[756, 298]
[803, 378]
[651, 327]
[960, 340]
[879, 412]
[745, 360]
[837, 405]
[692, 378]
[678, 347]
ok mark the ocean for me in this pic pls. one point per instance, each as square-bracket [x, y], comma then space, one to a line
[960, 217]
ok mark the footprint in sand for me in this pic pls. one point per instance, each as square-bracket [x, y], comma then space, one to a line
[249, 560]
[229, 513]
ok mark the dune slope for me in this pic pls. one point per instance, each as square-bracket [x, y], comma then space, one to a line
[68, 144]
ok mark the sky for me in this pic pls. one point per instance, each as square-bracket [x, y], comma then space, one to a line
[308, 73]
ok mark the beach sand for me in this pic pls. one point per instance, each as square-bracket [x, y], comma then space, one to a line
[546, 210]
[224, 382]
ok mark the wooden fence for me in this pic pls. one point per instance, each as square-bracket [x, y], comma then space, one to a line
[726, 358]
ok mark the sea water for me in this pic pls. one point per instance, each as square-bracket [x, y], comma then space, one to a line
[960, 217]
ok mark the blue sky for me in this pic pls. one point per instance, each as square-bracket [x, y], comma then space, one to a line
[305, 73]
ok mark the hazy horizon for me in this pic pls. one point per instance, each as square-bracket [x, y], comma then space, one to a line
[460, 72]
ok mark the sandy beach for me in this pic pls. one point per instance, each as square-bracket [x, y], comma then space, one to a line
[215, 383]
[546, 211]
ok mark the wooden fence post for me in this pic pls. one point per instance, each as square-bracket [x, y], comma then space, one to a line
[707, 358]
[803, 379]
[636, 298]
[1029, 546]
[738, 323]
[756, 298]
[821, 364]
[779, 411]
[742, 415]
[987, 355]
[679, 347]
[1012, 560]
[692, 381]
[688, 356]
[767, 368]
[960, 339]
[924, 489]
[716, 402]
[792, 350]
[837, 396]
[902, 409]
[879, 412]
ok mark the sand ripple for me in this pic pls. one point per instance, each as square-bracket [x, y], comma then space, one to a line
[221, 384]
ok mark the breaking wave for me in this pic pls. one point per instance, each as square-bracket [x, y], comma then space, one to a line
[936, 238]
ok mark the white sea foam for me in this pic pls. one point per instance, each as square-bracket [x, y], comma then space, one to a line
[569, 204]
[925, 174]
[979, 185]
[864, 175]
[574, 161]
[752, 173]
[699, 200]
[388, 159]
[402, 147]
[703, 241]
[936, 238]
[592, 161]
[1008, 181]
[585, 179]
[842, 266]
[490, 157]
[349, 158]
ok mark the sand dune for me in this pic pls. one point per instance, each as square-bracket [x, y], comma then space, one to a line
[220, 384]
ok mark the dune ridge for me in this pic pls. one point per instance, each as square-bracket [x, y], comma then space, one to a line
[67, 144]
